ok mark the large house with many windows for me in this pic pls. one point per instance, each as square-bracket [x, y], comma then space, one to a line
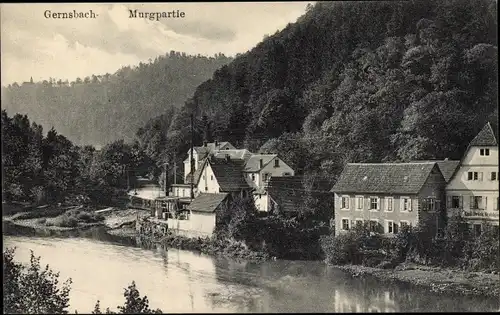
[388, 196]
[473, 189]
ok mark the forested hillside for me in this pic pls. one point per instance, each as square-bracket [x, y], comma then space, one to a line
[100, 109]
[352, 82]
[50, 168]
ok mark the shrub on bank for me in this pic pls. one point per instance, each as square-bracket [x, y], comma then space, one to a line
[39, 213]
[456, 248]
[73, 217]
[483, 252]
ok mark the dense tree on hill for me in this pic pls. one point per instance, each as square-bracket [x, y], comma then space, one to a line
[358, 82]
[97, 110]
[50, 168]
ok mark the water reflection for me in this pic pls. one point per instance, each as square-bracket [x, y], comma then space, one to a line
[181, 281]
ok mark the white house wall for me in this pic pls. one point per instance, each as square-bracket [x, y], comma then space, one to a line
[198, 157]
[463, 188]
[181, 191]
[199, 224]
[261, 202]
[473, 162]
[254, 182]
[208, 183]
[275, 171]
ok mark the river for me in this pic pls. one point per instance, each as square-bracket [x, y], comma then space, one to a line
[183, 281]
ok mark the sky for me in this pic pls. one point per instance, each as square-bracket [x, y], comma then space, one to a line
[34, 46]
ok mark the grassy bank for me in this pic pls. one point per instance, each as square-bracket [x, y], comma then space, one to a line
[213, 246]
[439, 280]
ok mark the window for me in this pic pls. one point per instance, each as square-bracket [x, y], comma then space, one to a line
[485, 152]
[253, 176]
[476, 202]
[428, 204]
[455, 201]
[183, 191]
[373, 203]
[359, 223]
[286, 174]
[392, 227]
[405, 204]
[389, 204]
[474, 176]
[266, 177]
[211, 177]
[345, 202]
[498, 204]
[360, 202]
[276, 163]
[203, 176]
[493, 176]
[206, 188]
[345, 224]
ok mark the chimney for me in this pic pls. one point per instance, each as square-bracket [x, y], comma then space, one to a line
[261, 163]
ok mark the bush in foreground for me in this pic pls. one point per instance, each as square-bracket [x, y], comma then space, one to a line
[134, 304]
[32, 289]
[35, 290]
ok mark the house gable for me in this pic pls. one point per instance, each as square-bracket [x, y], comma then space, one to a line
[207, 181]
[229, 174]
[475, 155]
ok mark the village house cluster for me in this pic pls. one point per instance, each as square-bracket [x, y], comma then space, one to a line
[390, 195]
[386, 195]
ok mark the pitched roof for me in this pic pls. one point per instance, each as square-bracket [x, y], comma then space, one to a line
[253, 163]
[237, 154]
[298, 182]
[289, 192]
[485, 137]
[229, 174]
[448, 168]
[209, 148]
[197, 173]
[289, 200]
[400, 178]
[206, 202]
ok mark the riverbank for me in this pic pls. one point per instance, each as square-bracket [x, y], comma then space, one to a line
[439, 280]
[120, 224]
[211, 246]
